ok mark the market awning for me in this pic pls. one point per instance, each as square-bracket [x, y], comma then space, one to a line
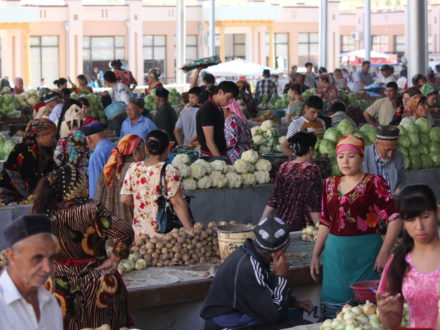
[238, 67]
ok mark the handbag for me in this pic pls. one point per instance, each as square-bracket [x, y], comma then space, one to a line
[166, 218]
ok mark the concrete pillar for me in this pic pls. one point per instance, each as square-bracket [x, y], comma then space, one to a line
[222, 44]
[323, 35]
[27, 75]
[367, 29]
[262, 45]
[74, 40]
[417, 35]
[211, 41]
[135, 40]
[271, 47]
[180, 41]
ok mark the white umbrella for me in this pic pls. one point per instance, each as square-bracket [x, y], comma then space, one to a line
[361, 53]
[238, 67]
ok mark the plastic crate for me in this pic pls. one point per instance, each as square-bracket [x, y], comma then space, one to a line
[362, 290]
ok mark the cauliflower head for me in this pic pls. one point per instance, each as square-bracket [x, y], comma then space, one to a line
[256, 131]
[181, 159]
[272, 132]
[265, 125]
[250, 155]
[184, 170]
[262, 177]
[207, 166]
[220, 166]
[263, 165]
[204, 183]
[197, 170]
[230, 169]
[234, 180]
[242, 166]
[218, 180]
[265, 150]
[282, 139]
[248, 179]
[189, 184]
[258, 139]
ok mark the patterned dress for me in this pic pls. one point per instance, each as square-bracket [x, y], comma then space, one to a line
[297, 192]
[88, 299]
[238, 137]
[142, 182]
[25, 165]
[75, 150]
[420, 292]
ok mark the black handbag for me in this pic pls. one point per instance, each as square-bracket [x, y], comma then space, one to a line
[166, 218]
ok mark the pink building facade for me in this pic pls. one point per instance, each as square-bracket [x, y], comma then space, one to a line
[71, 38]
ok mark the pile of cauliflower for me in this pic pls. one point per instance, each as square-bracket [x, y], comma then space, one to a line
[266, 138]
[29, 98]
[362, 317]
[249, 170]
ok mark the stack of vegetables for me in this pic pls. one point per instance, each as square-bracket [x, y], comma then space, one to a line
[27, 99]
[249, 170]
[310, 233]
[173, 99]
[266, 138]
[275, 102]
[6, 147]
[7, 105]
[362, 317]
[418, 142]
[180, 247]
[96, 109]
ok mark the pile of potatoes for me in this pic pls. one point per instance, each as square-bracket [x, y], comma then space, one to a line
[180, 247]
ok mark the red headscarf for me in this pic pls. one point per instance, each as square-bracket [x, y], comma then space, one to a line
[350, 143]
[126, 146]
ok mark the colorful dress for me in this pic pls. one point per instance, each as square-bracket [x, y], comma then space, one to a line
[75, 150]
[354, 241]
[88, 298]
[420, 291]
[25, 165]
[142, 182]
[297, 192]
[329, 96]
[238, 137]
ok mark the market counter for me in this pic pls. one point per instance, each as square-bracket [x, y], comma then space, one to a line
[155, 286]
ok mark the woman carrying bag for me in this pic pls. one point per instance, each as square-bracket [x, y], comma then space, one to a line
[142, 187]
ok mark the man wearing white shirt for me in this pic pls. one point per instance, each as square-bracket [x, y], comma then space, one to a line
[386, 75]
[24, 302]
[52, 102]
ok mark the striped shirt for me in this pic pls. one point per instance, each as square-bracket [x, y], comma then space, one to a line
[299, 124]
[383, 169]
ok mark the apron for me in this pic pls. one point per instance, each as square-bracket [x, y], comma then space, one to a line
[347, 260]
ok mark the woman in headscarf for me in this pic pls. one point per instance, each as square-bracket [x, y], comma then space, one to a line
[237, 133]
[327, 92]
[131, 148]
[85, 282]
[153, 81]
[417, 108]
[28, 161]
[18, 86]
[403, 109]
[72, 147]
[352, 207]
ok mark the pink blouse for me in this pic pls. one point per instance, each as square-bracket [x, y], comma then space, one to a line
[420, 291]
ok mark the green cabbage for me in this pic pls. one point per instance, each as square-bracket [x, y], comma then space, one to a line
[414, 152]
[434, 148]
[402, 130]
[407, 163]
[423, 125]
[345, 128]
[411, 127]
[7, 147]
[426, 162]
[416, 163]
[332, 135]
[335, 168]
[424, 150]
[435, 159]
[404, 141]
[414, 138]
[434, 134]
[424, 139]
[403, 150]
[327, 147]
[360, 135]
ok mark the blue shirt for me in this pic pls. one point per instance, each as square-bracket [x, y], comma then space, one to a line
[142, 127]
[382, 168]
[98, 159]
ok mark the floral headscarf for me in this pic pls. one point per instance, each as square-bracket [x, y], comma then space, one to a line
[413, 104]
[39, 127]
[350, 143]
[126, 146]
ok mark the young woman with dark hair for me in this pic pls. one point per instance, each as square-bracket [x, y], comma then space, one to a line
[140, 189]
[412, 273]
[82, 85]
[124, 76]
[296, 196]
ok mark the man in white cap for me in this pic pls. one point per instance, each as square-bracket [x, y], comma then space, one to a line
[245, 293]
[24, 303]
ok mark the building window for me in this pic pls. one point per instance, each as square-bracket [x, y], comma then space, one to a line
[430, 45]
[44, 59]
[192, 49]
[379, 43]
[347, 44]
[99, 51]
[399, 45]
[239, 46]
[308, 48]
[155, 51]
[281, 44]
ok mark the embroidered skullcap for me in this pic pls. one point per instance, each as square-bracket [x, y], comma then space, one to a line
[389, 133]
[350, 143]
[25, 226]
[272, 234]
[67, 182]
[49, 97]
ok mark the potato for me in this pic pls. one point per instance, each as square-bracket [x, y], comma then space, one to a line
[169, 245]
[142, 251]
[204, 235]
[222, 223]
[164, 250]
[181, 240]
[184, 250]
[186, 257]
[154, 240]
[150, 246]
[212, 224]
[148, 257]
[181, 262]
[155, 255]
[199, 225]
[233, 222]
[140, 242]
[202, 260]
[190, 232]
[154, 262]
[159, 263]
[192, 262]
[194, 256]
[175, 249]
[199, 245]
[135, 249]
[159, 246]
[208, 254]
[140, 264]
[187, 263]
[190, 246]
[163, 257]
[209, 231]
[167, 262]
[168, 237]
[175, 230]
[177, 256]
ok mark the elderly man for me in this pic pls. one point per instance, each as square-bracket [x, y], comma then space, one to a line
[383, 158]
[362, 78]
[24, 303]
[245, 293]
[381, 112]
[53, 103]
[386, 76]
[166, 117]
[135, 123]
[102, 149]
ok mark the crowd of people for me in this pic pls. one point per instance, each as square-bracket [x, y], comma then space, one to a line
[92, 198]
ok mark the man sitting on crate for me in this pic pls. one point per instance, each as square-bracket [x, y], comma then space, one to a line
[245, 294]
